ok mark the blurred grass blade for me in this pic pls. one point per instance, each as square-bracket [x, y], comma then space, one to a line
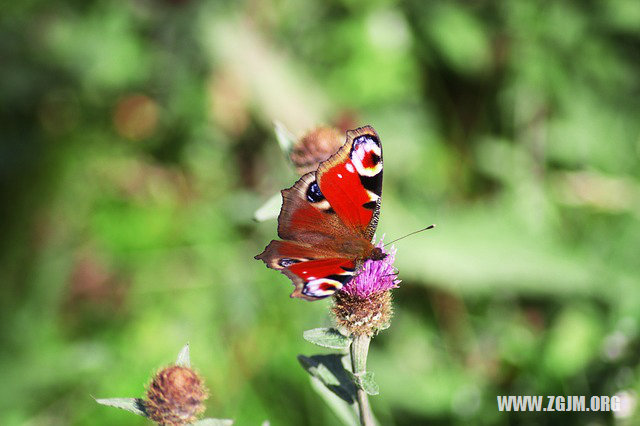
[285, 138]
[270, 209]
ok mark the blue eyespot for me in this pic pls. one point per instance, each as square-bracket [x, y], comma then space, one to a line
[314, 195]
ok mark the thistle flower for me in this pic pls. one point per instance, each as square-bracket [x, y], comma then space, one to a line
[363, 306]
[175, 396]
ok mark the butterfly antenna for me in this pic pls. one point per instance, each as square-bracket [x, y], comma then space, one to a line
[408, 235]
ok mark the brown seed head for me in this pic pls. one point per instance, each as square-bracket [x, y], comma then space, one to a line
[314, 147]
[175, 396]
[363, 316]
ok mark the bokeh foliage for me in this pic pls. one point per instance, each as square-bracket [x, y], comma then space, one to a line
[137, 143]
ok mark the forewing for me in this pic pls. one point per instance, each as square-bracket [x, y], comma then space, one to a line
[306, 214]
[351, 181]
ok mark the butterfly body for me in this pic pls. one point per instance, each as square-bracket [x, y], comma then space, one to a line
[328, 219]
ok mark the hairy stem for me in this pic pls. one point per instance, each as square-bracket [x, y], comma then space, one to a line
[359, 351]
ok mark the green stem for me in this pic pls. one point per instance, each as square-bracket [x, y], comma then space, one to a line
[359, 351]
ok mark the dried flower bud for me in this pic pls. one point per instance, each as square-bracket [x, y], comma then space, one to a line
[314, 147]
[362, 316]
[363, 306]
[175, 396]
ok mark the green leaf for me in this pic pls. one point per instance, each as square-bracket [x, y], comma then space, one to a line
[574, 341]
[134, 405]
[369, 385]
[460, 37]
[327, 337]
[365, 382]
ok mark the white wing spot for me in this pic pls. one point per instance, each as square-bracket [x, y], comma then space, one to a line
[312, 288]
[350, 168]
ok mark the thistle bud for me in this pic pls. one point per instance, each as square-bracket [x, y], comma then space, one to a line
[175, 396]
[363, 306]
[314, 147]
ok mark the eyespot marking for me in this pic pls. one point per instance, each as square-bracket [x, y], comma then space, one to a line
[366, 139]
[370, 160]
[286, 262]
[366, 155]
[321, 287]
[314, 195]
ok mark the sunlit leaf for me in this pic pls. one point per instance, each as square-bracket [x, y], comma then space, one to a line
[184, 359]
[365, 382]
[133, 405]
[327, 337]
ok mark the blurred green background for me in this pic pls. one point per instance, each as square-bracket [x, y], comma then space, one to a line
[137, 142]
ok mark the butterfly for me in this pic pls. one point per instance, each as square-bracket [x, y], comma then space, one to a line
[328, 219]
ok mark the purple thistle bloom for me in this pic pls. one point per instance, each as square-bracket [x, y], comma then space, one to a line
[375, 276]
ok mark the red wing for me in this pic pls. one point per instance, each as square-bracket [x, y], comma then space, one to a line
[306, 215]
[280, 254]
[351, 181]
[316, 279]
[313, 273]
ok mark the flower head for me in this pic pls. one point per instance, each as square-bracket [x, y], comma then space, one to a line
[363, 306]
[175, 396]
[375, 276]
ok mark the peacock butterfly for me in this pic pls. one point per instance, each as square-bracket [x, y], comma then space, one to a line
[328, 219]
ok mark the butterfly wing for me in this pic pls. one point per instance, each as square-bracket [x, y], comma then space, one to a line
[351, 181]
[328, 218]
[310, 254]
[315, 273]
